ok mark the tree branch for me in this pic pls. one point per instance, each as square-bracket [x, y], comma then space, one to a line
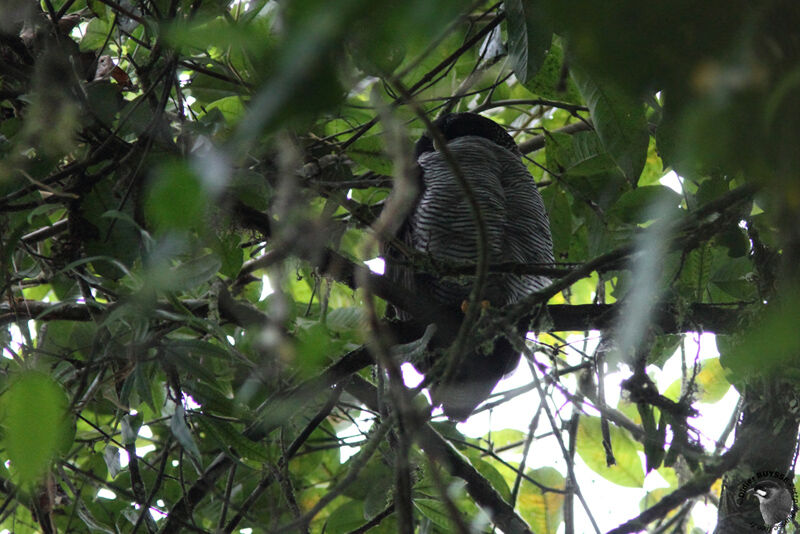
[717, 318]
[439, 449]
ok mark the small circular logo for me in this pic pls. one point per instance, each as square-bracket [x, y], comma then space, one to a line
[777, 499]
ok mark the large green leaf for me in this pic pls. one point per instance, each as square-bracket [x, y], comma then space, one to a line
[627, 471]
[231, 439]
[550, 81]
[110, 235]
[768, 347]
[95, 35]
[35, 425]
[646, 203]
[529, 37]
[437, 512]
[369, 151]
[346, 518]
[619, 121]
[581, 154]
[176, 199]
[196, 271]
[183, 433]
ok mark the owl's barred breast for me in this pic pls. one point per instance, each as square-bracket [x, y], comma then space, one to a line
[513, 211]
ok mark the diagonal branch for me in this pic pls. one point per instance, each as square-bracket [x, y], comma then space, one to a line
[442, 451]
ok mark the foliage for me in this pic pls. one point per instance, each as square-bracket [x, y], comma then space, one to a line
[189, 189]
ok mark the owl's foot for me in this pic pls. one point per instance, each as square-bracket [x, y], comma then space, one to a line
[484, 305]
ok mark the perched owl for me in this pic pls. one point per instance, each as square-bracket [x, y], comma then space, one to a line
[441, 225]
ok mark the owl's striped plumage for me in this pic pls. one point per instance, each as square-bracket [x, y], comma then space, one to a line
[441, 225]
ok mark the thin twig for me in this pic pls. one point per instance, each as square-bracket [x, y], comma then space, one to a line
[357, 464]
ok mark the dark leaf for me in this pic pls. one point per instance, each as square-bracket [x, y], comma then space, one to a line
[529, 37]
[619, 121]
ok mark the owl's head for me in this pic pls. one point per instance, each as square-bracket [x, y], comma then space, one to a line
[456, 125]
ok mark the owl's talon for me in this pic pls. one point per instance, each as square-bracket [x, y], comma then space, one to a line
[485, 305]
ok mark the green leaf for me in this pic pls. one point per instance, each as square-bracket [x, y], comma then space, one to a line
[92, 523]
[346, 518]
[197, 271]
[491, 474]
[106, 102]
[558, 209]
[663, 349]
[620, 123]
[188, 356]
[580, 154]
[766, 348]
[374, 60]
[437, 512]
[640, 205]
[98, 8]
[504, 438]
[199, 348]
[129, 427]
[375, 501]
[232, 108]
[142, 378]
[95, 36]
[212, 399]
[346, 319]
[176, 199]
[252, 189]
[313, 348]
[529, 37]
[108, 235]
[735, 277]
[377, 477]
[627, 471]
[206, 88]
[231, 254]
[229, 437]
[369, 152]
[550, 81]
[138, 117]
[33, 417]
[111, 457]
[182, 432]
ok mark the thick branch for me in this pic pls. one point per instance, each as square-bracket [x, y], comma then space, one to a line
[717, 318]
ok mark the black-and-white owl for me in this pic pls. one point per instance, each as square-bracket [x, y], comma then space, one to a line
[442, 226]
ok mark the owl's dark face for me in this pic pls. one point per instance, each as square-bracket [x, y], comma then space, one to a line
[457, 125]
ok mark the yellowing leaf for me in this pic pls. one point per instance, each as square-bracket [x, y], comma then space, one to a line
[712, 381]
[543, 510]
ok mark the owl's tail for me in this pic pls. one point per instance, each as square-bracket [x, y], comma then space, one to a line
[474, 381]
